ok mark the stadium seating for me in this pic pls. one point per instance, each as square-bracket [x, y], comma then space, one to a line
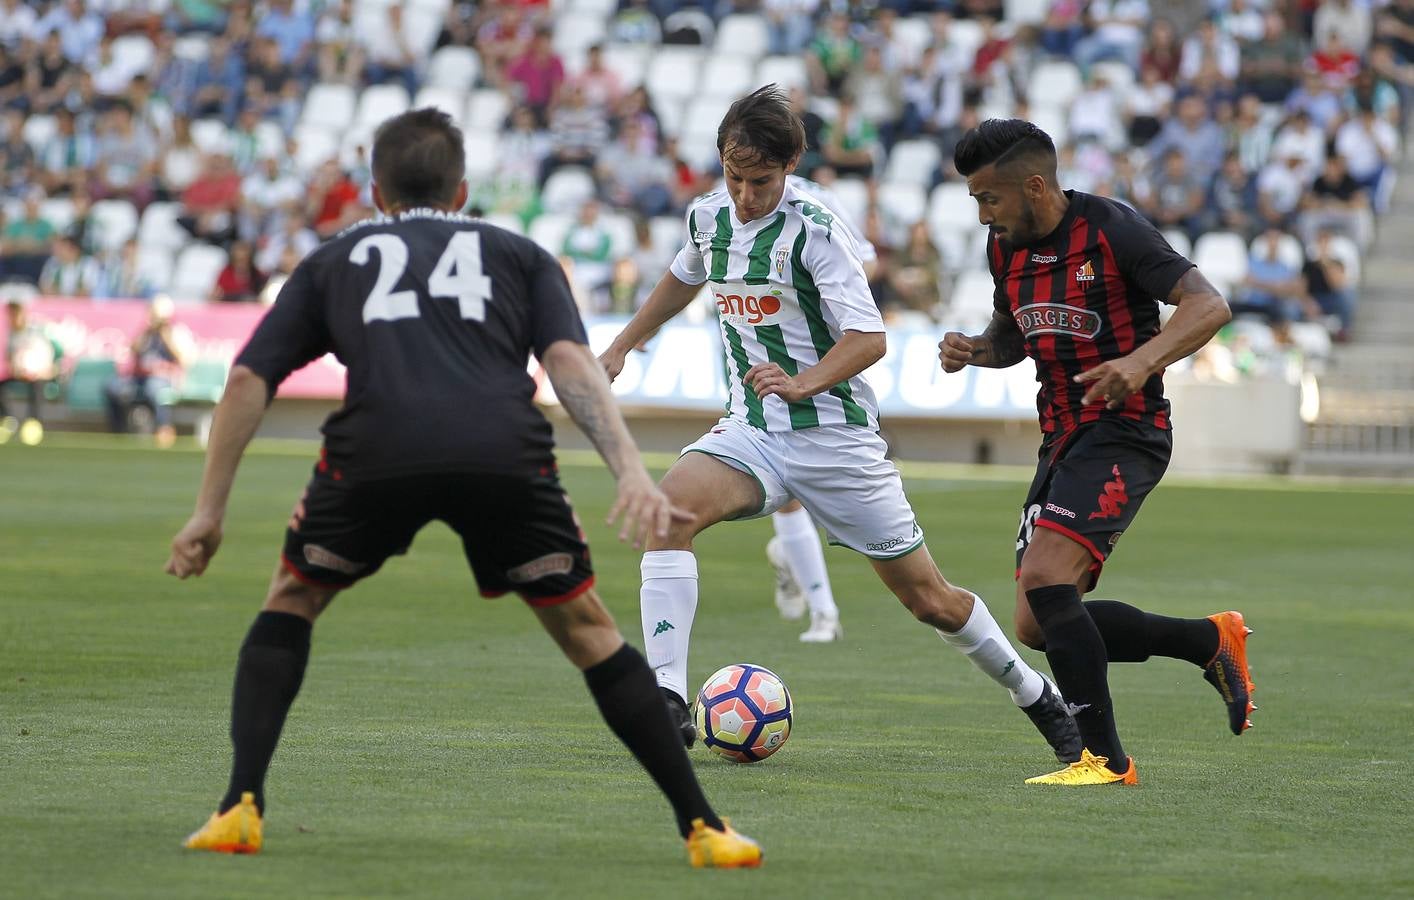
[743, 34]
[379, 102]
[114, 222]
[728, 76]
[196, 270]
[786, 71]
[913, 161]
[329, 106]
[486, 110]
[567, 189]
[87, 381]
[453, 67]
[1222, 256]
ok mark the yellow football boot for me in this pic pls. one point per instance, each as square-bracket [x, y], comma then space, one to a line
[708, 848]
[1091, 769]
[237, 830]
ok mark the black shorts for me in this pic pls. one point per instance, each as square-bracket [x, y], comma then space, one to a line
[1090, 484]
[519, 534]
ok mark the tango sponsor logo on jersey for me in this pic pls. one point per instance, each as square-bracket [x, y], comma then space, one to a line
[1112, 501]
[1059, 510]
[1057, 318]
[1085, 273]
[325, 558]
[754, 304]
[549, 564]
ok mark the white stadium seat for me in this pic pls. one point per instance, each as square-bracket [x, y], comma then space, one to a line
[972, 294]
[622, 238]
[114, 221]
[314, 145]
[743, 33]
[381, 102]
[1289, 251]
[902, 203]
[196, 271]
[729, 75]
[549, 230]
[966, 35]
[674, 73]
[952, 208]
[567, 189]
[154, 264]
[1179, 241]
[486, 110]
[1053, 84]
[604, 9]
[786, 71]
[211, 136]
[915, 34]
[509, 222]
[669, 233]
[1118, 75]
[577, 31]
[483, 153]
[1222, 255]
[37, 131]
[269, 139]
[452, 102]
[159, 230]
[454, 67]
[914, 161]
[329, 106]
[134, 51]
[58, 211]
[628, 61]
[1025, 12]
[1348, 252]
[853, 195]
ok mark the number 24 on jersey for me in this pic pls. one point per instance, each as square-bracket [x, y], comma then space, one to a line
[458, 274]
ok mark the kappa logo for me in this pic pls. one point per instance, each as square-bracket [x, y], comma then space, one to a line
[540, 567]
[325, 558]
[1044, 258]
[1059, 510]
[1113, 499]
[663, 626]
[1085, 273]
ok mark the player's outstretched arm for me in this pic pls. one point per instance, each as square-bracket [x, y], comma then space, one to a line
[237, 416]
[1000, 345]
[670, 297]
[1200, 312]
[583, 389]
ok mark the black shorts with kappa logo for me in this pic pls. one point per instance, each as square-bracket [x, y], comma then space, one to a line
[519, 534]
[1090, 483]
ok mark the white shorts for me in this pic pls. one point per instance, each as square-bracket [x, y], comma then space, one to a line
[839, 472]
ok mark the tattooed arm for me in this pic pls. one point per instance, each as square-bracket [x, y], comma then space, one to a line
[1200, 312]
[583, 390]
[1000, 345]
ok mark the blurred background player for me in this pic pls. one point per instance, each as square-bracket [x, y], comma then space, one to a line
[798, 328]
[1076, 280]
[158, 361]
[450, 308]
[31, 361]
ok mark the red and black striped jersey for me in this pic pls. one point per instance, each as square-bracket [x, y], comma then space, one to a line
[1084, 294]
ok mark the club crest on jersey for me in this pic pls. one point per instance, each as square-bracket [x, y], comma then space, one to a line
[781, 256]
[1057, 318]
[1085, 273]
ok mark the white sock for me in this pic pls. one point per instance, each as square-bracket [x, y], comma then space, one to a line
[800, 543]
[982, 641]
[667, 604]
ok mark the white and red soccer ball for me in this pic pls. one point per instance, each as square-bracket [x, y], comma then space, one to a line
[743, 712]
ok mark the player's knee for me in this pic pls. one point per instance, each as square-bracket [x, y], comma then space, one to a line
[289, 594]
[939, 605]
[1042, 573]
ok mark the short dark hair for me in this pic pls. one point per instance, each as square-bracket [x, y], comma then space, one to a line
[1001, 142]
[418, 158]
[762, 129]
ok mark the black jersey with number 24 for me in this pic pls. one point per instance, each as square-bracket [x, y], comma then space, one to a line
[434, 315]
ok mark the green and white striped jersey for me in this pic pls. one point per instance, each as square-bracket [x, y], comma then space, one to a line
[787, 286]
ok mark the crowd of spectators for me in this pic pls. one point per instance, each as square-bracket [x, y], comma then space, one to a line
[1263, 118]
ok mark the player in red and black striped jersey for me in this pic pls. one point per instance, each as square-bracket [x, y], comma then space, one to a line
[435, 316]
[1078, 282]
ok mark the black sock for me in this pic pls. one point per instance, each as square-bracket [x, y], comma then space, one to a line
[1076, 653]
[268, 676]
[635, 709]
[1132, 635]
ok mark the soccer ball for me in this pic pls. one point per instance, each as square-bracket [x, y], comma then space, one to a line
[743, 713]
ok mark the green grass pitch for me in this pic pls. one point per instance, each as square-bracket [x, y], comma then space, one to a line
[441, 747]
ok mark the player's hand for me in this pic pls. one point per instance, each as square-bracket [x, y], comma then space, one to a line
[194, 546]
[613, 363]
[1113, 381]
[769, 378]
[645, 509]
[954, 351]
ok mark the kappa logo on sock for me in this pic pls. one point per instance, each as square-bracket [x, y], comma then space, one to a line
[1009, 666]
[663, 626]
[1076, 709]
